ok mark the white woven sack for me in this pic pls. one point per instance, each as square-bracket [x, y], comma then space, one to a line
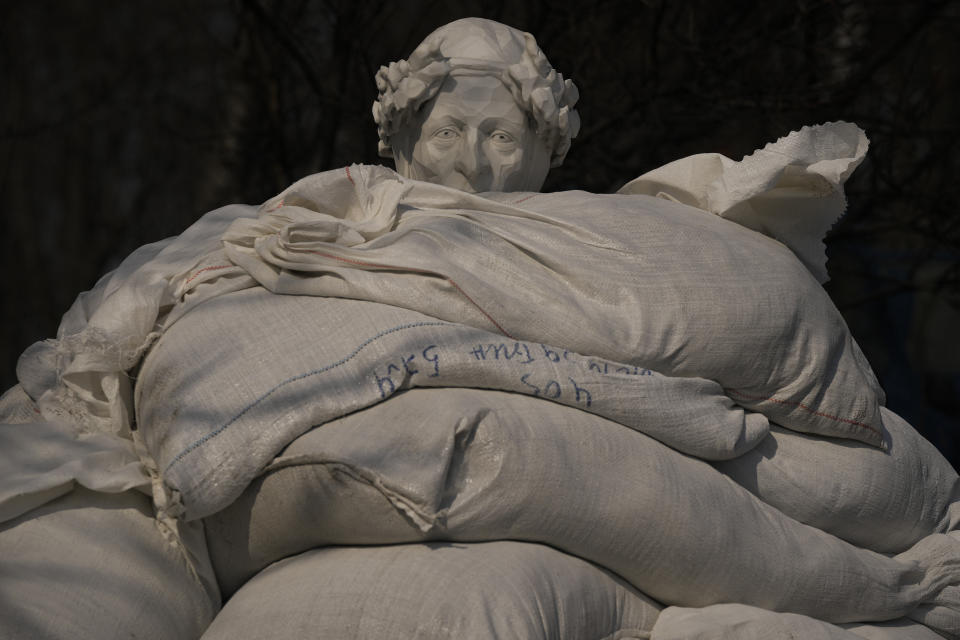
[237, 379]
[40, 461]
[902, 629]
[471, 465]
[16, 407]
[82, 376]
[741, 622]
[882, 500]
[94, 566]
[791, 189]
[435, 592]
[629, 278]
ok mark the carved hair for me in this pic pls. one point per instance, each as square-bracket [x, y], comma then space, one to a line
[475, 46]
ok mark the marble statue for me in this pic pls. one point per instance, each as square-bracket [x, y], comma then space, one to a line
[486, 367]
[477, 107]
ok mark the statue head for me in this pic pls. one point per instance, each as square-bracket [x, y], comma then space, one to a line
[477, 107]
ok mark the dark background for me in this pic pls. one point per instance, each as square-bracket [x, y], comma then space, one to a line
[121, 121]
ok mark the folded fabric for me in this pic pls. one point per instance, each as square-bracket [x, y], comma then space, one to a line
[80, 377]
[43, 460]
[790, 190]
[631, 279]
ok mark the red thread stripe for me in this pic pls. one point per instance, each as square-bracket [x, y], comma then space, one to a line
[527, 198]
[805, 408]
[217, 267]
[349, 177]
[415, 270]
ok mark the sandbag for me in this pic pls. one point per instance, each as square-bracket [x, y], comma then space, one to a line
[741, 622]
[893, 630]
[251, 358]
[40, 461]
[82, 376]
[629, 278]
[791, 189]
[474, 465]
[435, 592]
[881, 500]
[779, 333]
[16, 407]
[94, 566]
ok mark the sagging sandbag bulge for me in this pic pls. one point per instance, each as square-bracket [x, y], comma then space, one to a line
[636, 414]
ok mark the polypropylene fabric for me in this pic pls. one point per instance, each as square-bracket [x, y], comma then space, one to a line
[16, 407]
[435, 592]
[632, 279]
[741, 622]
[94, 566]
[881, 500]
[471, 465]
[40, 461]
[252, 358]
[893, 630]
[605, 280]
[81, 376]
[791, 189]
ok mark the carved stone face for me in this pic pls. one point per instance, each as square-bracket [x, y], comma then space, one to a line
[474, 137]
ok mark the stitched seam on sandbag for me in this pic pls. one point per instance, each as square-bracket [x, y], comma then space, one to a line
[805, 408]
[349, 177]
[215, 268]
[298, 377]
[364, 263]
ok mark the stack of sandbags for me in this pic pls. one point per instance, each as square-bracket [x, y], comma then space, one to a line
[526, 437]
[252, 358]
[629, 278]
[538, 368]
[471, 465]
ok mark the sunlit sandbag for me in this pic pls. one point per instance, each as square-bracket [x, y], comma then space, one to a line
[435, 591]
[472, 465]
[94, 566]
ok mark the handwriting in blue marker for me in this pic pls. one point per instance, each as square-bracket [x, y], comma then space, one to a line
[606, 368]
[554, 356]
[397, 374]
[553, 390]
[500, 351]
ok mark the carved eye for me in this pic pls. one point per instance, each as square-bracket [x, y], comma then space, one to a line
[447, 133]
[501, 137]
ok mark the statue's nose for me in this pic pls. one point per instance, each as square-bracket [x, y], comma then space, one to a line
[471, 160]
